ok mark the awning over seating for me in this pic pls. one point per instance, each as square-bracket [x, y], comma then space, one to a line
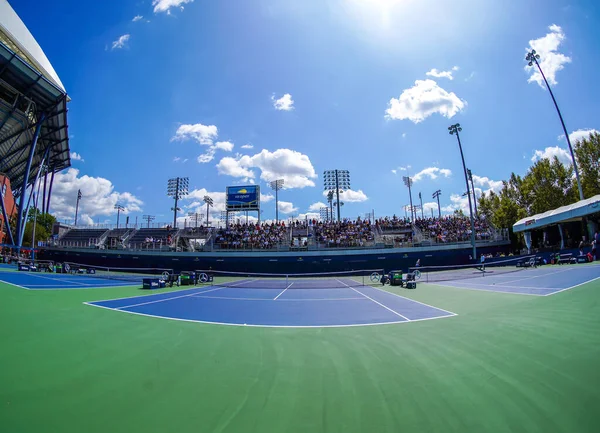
[572, 212]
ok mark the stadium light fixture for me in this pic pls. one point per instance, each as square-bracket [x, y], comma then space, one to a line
[421, 199]
[436, 195]
[209, 203]
[77, 205]
[119, 209]
[408, 182]
[196, 216]
[330, 201]
[177, 188]
[455, 129]
[336, 181]
[276, 185]
[532, 58]
[148, 218]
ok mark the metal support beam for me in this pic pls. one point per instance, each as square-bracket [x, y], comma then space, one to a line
[22, 217]
[32, 193]
[5, 215]
[50, 190]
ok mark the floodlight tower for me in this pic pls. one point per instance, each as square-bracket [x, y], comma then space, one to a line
[533, 57]
[436, 195]
[455, 129]
[77, 205]
[336, 181]
[196, 216]
[119, 209]
[408, 182]
[473, 189]
[330, 200]
[209, 203]
[276, 185]
[148, 218]
[177, 188]
[421, 199]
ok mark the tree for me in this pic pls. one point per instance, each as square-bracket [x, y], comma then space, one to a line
[546, 186]
[41, 234]
[587, 153]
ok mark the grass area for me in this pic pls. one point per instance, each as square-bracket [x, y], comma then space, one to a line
[507, 363]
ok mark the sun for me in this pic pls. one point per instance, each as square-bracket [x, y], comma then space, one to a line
[379, 11]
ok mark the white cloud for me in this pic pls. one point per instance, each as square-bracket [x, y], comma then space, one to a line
[166, 5]
[247, 146]
[579, 135]
[432, 173]
[231, 167]
[350, 196]
[121, 42]
[551, 61]
[394, 171]
[76, 157]
[316, 206]
[286, 207]
[98, 197]
[285, 103]
[422, 100]
[137, 18]
[264, 198]
[176, 159]
[309, 215]
[293, 167]
[457, 202]
[203, 134]
[428, 206]
[442, 74]
[404, 135]
[487, 183]
[227, 146]
[550, 152]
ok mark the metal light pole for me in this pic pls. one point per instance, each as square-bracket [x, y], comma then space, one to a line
[421, 199]
[209, 203]
[436, 195]
[532, 58]
[336, 181]
[276, 185]
[77, 205]
[177, 188]
[455, 129]
[408, 182]
[119, 208]
[473, 189]
[197, 216]
[330, 200]
[148, 218]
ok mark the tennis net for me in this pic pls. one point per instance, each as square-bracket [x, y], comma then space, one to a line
[430, 274]
[324, 280]
[116, 273]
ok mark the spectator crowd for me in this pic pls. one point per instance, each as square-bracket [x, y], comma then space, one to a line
[344, 234]
[246, 236]
[453, 228]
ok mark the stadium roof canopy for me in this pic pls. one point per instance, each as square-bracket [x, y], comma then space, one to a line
[564, 214]
[33, 101]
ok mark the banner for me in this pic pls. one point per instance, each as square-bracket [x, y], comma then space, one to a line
[243, 198]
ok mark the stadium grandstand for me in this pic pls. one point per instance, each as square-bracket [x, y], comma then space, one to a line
[34, 140]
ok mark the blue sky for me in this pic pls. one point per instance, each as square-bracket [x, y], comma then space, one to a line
[370, 86]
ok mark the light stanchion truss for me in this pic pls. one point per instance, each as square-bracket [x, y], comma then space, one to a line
[336, 181]
[177, 188]
[276, 185]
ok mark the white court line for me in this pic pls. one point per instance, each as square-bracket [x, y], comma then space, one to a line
[281, 300]
[13, 284]
[418, 302]
[483, 290]
[540, 276]
[155, 294]
[492, 285]
[290, 285]
[165, 299]
[572, 287]
[260, 326]
[378, 303]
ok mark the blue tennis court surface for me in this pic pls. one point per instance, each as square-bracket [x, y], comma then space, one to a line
[47, 280]
[542, 281]
[252, 304]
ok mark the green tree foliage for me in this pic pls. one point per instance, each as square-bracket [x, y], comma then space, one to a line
[587, 153]
[548, 184]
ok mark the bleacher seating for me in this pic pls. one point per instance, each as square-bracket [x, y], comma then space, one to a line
[151, 237]
[81, 237]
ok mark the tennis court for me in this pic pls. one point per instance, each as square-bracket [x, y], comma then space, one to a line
[277, 302]
[50, 281]
[540, 281]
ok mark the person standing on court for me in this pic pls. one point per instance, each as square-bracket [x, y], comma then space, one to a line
[594, 244]
[482, 262]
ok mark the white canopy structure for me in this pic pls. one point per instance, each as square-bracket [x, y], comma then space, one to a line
[569, 213]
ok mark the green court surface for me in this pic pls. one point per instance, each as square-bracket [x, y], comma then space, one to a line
[506, 363]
